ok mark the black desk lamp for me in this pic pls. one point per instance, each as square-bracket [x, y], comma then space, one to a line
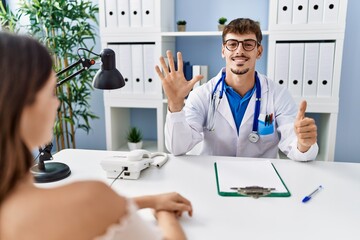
[107, 78]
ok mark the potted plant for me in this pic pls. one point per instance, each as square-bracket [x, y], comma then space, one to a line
[134, 138]
[63, 26]
[181, 25]
[221, 22]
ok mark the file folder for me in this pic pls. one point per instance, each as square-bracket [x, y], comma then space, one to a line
[311, 64]
[326, 66]
[123, 13]
[284, 14]
[331, 11]
[316, 10]
[242, 174]
[300, 11]
[137, 68]
[282, 63]
[148, 13]
[135, 13]
[196, 70]
[150, 83]
[110, 13]
[296, 65]
[125, 66]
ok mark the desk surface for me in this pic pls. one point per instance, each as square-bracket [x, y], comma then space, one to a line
[334, 213]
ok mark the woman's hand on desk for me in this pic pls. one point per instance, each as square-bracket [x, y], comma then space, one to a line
[172, 202]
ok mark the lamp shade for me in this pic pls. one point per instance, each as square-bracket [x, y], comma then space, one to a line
[108, 77]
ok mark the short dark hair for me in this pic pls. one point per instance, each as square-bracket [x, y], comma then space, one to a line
[25, 67]
[243, 26]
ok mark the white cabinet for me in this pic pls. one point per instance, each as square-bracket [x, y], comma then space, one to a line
[312, 30]
[132, 28]
[321, 31]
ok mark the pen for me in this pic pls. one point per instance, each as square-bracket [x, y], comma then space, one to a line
[308, 197]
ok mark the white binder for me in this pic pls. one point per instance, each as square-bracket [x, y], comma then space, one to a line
[326, 66]
[311, 63]
[125, 66]
[300, 11]
[316, 10]
[282, 63]
[196, 70]
[284, 14]
[331, 11]
[110, 13]
[148, 13]
[150, 82]
[200, 70]
[296, 63]
[123, 13]
[135, 13]
[204, 70]
[137, 68]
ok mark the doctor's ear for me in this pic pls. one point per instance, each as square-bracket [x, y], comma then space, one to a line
[259, 52]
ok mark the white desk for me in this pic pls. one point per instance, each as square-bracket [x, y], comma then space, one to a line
[334, 213]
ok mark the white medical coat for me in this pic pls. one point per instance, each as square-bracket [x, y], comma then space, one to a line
[184, 129]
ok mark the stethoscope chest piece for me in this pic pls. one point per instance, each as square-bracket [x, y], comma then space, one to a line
[253, 137]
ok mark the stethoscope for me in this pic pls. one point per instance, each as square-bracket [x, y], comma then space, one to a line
[216, 97]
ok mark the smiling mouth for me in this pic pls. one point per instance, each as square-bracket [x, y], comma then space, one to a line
[239, 61]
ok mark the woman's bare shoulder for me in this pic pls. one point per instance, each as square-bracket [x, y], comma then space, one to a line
[79, 210]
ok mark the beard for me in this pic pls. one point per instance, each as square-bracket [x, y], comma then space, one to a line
[240, 72]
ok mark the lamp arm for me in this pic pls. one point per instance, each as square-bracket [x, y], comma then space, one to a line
[86, 63]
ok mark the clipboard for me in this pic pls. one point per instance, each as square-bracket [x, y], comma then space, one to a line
[249, 179]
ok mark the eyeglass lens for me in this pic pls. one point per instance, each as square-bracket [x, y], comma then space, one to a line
[247, 44]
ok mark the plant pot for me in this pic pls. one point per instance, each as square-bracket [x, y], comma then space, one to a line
[181, 28]
[133, 146]
[221, 27]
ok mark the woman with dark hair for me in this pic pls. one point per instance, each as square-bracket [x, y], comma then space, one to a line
[81, 210]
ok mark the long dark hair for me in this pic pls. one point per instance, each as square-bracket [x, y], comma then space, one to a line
[25, 66]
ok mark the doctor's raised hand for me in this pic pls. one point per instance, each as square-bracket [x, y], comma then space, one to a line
[305, 129]
[175, 85]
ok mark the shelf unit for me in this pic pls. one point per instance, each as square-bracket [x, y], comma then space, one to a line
[118, 104]
[126, 23]
[324, 109]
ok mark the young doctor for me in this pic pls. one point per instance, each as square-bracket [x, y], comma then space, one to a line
[240, 112]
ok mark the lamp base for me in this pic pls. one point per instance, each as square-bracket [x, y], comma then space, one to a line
[53, 171]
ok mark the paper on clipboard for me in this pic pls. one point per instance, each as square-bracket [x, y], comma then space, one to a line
[241, 174]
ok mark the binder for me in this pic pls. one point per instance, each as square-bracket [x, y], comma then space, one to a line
[296, 63]
[135, 13]
[148, 13]
[331, 11]
[196, 70]
[282, 63]
[284, 14]
[316, 9]
[231, 176]
[311, 61]
[150, 82]
[110, 13]
[124, 63]
[326, 65]
[123, 13]
[300, 11]
[204, 70]
[137, 62]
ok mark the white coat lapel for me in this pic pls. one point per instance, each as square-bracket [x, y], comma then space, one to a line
[249, 113]
[225, 111]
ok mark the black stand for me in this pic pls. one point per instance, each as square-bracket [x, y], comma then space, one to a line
[49, 172]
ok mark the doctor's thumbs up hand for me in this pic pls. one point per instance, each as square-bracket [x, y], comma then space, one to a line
[175, 85]
[305, 129]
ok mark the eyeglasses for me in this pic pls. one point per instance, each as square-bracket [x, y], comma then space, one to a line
[247, 44]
